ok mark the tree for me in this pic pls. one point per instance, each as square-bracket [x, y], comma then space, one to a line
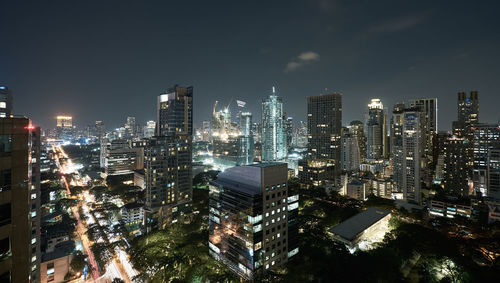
[78, 262]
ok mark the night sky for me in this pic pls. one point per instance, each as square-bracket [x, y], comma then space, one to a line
[106, 60]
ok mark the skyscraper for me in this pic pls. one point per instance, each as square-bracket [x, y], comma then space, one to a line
[252, 219]
[168, 159]
[407, 152]
[274, 147]
[485, 138]
[5, 102]
[149, 129]
[468, 115]
[429, 109]
[19, 200]
[64, 127]
[350, 159]
[455, 171]
[376, 130]
[356, 128]
[324, 125]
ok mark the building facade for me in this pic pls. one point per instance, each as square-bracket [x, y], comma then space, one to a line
[376, 130]
[251, 218]
[273, 137]
[19, 201]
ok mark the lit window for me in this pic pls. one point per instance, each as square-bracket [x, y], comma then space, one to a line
[3, 104]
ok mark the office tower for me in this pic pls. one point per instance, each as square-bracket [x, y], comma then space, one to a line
[130, 128]
[64, 127]
[274, 145]
[356, 128]
[168, 179]
[121, 158]
[206, 131]
[485, 138]
[438, 153]
[149, 129]
[252, 218]
[455, 170]
[100, 130]
[407, 152]
[19, 201]
[494, 172]
[168, 159]
[429, 109]
[289, 131]
[350, 159]
[240, 108]
[376, 131]
[468, 115]
[324, 126]
[6, 108]
[247, 142]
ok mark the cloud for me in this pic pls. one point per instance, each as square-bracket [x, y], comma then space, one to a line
[303, 59]
[399, 24]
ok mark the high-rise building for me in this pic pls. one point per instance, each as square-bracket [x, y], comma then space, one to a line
[289, 131]
[168, 180]
[468, 115]
[324, 126]
[64, 127]
[407, 152]
[19, 201]
[6, 108]
[376, 130]
[274, 147]
[494, 172]
[485, 138]
[252, 218]
[356, 128]
[130, 128]
[175, 112]
[168, 159]
[455, 170]
[429, 109]
[121, 158]
[100, 130]
[149, 129]
[350, 157]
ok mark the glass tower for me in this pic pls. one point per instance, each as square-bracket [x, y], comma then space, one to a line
[274, 145]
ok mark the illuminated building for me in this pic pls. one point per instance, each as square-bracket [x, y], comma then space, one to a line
[450, 208]
[121, 158]
[64, 127]
[232, 143]
[455, 170]
[130, 128]
[485, 138]
[350, 157]
[274, 147]
[206, 131]
[5, 102]
[19, 200]
[149, 129]
[376, 130]
[494, 172]
[316, 172]
[363, 230]
[289, 131]
[356, 128]
[407, 151]
[358, 189]
[324, 125]
[253, 218]
[168, 160]
[100, 130]
[468, 115]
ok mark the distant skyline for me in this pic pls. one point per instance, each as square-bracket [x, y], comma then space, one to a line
[106, 60]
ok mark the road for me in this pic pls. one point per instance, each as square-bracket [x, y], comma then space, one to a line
[120, 266]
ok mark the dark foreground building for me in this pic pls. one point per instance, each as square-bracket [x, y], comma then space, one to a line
[253, 218]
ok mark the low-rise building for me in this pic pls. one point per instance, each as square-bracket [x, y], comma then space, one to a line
[363, 229]
[358, 189]
[450, 208]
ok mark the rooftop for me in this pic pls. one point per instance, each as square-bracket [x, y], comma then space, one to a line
[353, 226]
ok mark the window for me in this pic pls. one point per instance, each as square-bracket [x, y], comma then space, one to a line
[5, 214]
[5, 143]
[5, 180]
[4, 247]
[50, 272]
[3, 104]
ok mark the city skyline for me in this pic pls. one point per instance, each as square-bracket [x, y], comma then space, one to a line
[396, 54]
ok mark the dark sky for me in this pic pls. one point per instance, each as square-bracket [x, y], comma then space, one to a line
[106, 60]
